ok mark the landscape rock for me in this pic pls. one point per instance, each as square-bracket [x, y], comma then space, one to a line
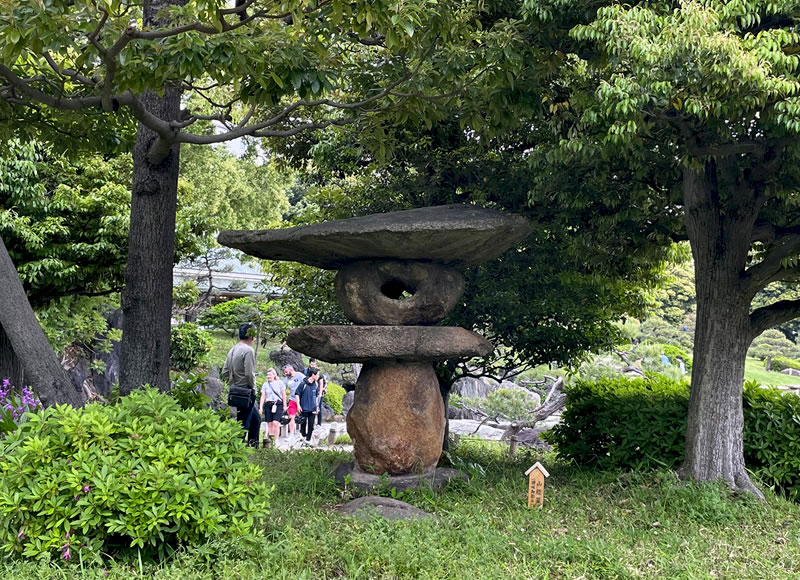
[471, 388]
[460, 413]
[286, 356]
[385, 507]
[464, 427]
[349, 475]
[531, 438]
[791, 372]
[340, 344]
[213, 386]
[327, 412]
[454, 235]
[395, 292]
[397, 418]
[347, 402]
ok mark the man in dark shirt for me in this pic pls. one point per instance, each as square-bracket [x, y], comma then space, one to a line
[307, 397]
[321, 387]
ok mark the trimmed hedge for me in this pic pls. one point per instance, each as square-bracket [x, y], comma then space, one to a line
[780, 363]
[641, 424]
[333, 396]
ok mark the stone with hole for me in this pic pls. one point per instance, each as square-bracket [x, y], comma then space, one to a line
[395, 292]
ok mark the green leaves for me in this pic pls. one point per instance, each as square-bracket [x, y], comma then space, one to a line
[143, 473]
[189, 346]
[641, 423]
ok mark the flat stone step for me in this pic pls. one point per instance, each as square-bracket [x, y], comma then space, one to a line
[359, 344]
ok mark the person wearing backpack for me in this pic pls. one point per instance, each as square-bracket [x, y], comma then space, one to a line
[239, 370]
[307, 397]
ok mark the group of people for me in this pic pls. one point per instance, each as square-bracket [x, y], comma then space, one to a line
[299, 395]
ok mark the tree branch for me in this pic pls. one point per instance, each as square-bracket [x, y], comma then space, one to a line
[785, 243]
[776, 313]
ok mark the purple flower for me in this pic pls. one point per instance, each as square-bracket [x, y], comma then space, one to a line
[86, 489]
[21, 535]
[65, 552]
[77, 497]
[9, 407]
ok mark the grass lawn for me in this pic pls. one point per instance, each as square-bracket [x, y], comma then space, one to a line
[593, 525]
[754, 370]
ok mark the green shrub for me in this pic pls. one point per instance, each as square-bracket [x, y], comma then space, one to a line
[780, 363]
[772, 437]
[343, 439]
[624, 423]
[334, 396]
[513, 404]
[641, 423]
[189, 346]
[189, 391]
[77, 483]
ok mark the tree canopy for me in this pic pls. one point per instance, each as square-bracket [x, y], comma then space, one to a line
[551, 300]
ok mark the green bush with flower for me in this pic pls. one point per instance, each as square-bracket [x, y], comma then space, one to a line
[13, 406]
[142, 474]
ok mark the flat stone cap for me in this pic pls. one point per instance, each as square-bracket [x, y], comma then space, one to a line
[359, 344]
[454, 235]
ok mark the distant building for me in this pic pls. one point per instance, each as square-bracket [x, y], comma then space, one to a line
[229, 277]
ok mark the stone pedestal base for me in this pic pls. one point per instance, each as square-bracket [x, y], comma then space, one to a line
[348, 474]
[397, 419]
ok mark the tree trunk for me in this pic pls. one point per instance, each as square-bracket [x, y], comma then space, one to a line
[42, 369]
[147, 297]
[720, 242]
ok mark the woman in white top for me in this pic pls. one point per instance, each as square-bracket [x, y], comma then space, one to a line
[273, 393]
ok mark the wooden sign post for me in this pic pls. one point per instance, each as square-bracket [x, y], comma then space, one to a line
[536, 474]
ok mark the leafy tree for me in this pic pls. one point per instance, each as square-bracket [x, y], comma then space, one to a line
[551, 300]
[675, 300]
[267, 315]
[773, 343]
[261, 68]
[64, 220]
[702, 95]
[658, 330]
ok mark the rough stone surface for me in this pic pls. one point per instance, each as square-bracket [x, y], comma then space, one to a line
[397, 419]
[286, 356]
[531, 438]
[340, 344]
[347, 402]
[460, 413]
[455, 235]
[327, 412]
[348, 474]
[474, 428]
[385, 507]
[791, 372]
[395, 292]
[471, 388]
[212, 385]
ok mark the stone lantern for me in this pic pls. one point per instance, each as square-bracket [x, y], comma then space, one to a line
[399, 274]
